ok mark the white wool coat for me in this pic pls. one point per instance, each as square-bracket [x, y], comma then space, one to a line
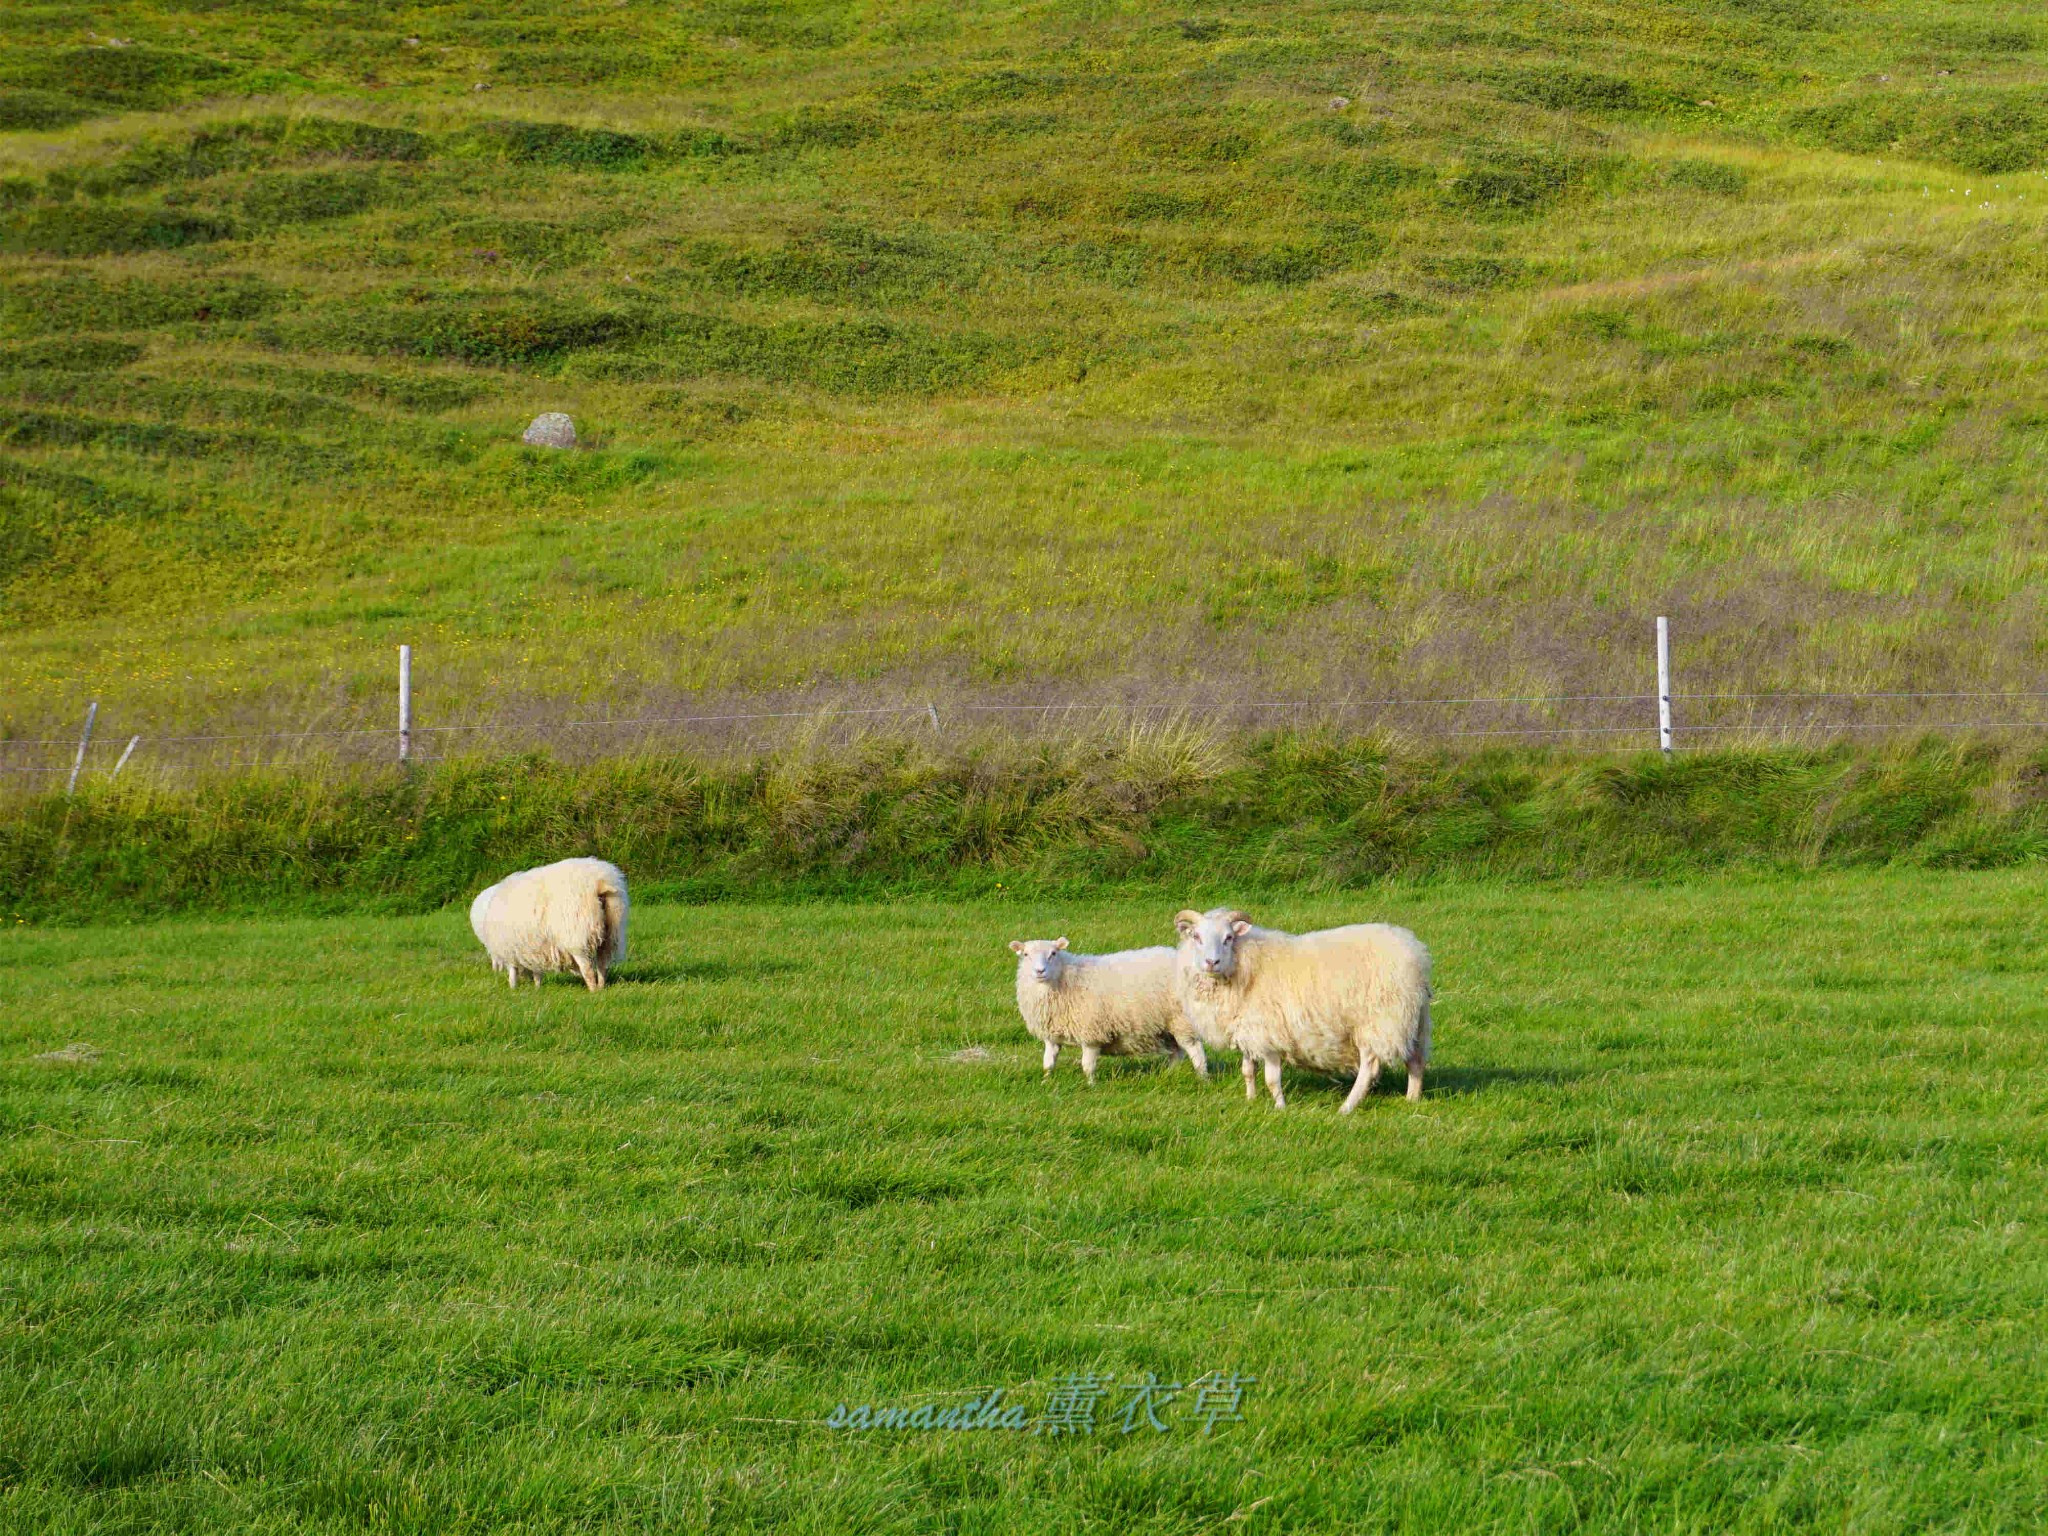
[1325, 1001]
[1122, 1004]
[477, 909]
[569, 915]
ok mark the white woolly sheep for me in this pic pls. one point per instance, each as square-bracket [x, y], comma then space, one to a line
[1121, 1004]
[1340, 1001]
[477, 909]
[565, 916]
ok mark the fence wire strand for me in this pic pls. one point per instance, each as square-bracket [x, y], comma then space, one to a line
[59, 749]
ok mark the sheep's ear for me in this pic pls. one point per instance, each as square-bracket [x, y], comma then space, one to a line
[1240, 926]
[1059, 943]
[1186, 921]
[1016, 946]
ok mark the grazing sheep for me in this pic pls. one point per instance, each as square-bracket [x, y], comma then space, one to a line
[570, 915]
[1122, 1003]
[1340, 1001]
[476, 922]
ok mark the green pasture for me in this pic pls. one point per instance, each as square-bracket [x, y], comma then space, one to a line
[1723, 1213]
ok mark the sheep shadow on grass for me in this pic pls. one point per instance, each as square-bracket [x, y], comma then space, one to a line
[1437, 1082]
[636, 972]
[1461, 1082]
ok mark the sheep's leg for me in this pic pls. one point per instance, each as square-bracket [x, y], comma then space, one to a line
[1052, 1056]
[1248, 1064]
[512, 976]
[593, 978]
[1195, 1054]
[1415, 1064]
[1090, 1055]
[1368, 1069]
[1273, 1082]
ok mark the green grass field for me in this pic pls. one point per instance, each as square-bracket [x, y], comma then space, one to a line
[1723, 1213]
[994, 352]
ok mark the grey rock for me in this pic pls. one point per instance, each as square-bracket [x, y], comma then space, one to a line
[550, 429]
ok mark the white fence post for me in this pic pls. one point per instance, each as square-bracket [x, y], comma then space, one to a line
[1664, 684]
[84, 740]
[405, 703]
[126, 753]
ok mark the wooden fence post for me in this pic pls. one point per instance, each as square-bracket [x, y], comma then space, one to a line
[1664, 684]
[84, 740]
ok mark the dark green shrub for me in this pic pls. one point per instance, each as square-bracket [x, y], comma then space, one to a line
[487, 329]
[95, 229]
[1994, 40]
[562, 145]
[130, 76]
[345, 140]
[772, 23]
[1584, 91]
[1363, 183]
[1385, 305]
[1282, 265]
[1475, 274]
[1711, 176]
[1512, 184]
[249, 144]
[1984, 129]
[869, 357]
[308, 197]
[193, 157]
[536, 241]
[699, 144]
[811, 128]
[82, 354]
[1148, 204]
[40, 508]
[838, 262]
[23, 110]
[78, 301]
[1780, 15]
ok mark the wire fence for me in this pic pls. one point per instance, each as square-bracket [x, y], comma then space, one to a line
[1608, 720]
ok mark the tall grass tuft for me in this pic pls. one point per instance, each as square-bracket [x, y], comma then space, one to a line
[1161, 807]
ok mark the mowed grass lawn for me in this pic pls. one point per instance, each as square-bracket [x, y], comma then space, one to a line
[1723, 1212]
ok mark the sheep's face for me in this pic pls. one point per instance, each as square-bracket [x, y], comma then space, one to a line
[1209, 940]
[1041, 959]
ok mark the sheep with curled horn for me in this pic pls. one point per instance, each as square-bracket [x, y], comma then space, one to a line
[1344, 1001]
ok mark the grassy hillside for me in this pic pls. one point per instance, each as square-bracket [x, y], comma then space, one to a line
[1008, 351]
[1722, 1214]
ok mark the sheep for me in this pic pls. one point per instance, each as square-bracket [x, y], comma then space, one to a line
[1122, 1004]
[1340, 1001]
[476, 923]
[568, 915]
